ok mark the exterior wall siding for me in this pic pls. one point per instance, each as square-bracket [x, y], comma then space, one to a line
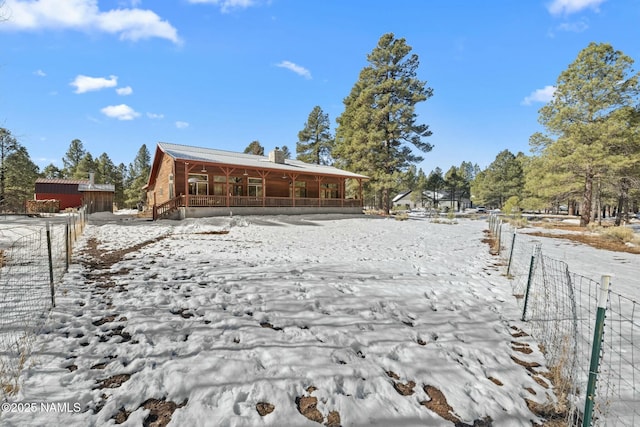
[161, 188]
[98, 201]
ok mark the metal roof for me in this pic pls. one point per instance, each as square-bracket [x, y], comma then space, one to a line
[209, 155]
[61, 181]
[109, 188]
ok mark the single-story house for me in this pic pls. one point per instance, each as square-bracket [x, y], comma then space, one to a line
[439, 199]
[187, 181]
[74, 193]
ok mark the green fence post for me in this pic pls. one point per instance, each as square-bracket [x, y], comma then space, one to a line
[529, 280]
[513, 244]
[595, 351]
[53, 298]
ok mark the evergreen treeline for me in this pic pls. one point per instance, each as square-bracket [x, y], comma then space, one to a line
[18, 173]
[587, 160]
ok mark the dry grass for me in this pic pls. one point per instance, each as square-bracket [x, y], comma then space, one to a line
[618, 239]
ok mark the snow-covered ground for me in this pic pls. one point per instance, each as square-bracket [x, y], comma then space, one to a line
[372, 321]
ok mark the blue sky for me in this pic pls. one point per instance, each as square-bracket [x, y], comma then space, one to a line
[117, 74]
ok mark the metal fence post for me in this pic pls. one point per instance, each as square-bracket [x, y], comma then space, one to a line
[513, 244]
[53, 298]
[595, 351]
[529, 280]
[67, 247]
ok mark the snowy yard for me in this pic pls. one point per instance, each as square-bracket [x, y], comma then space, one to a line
[255, 321]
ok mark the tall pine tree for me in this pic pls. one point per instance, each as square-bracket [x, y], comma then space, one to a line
[139, 172]
[21, 175]
[580, 116]
[72, 158]
[378, 126]
[315, 142]
[502, 179]
[8, 146]
[255, 148]
[434, 185]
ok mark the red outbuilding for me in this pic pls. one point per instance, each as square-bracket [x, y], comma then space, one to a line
[74, 193]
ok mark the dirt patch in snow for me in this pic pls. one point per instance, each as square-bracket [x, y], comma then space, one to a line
[308, 407]
[101, 260]
[593, 240]
[264, 408]
[160, 412]
[114, 381]
[438, 404]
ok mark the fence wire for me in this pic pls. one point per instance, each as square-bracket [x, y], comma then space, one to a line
[618, 402]
[560, 308]
[27, 272]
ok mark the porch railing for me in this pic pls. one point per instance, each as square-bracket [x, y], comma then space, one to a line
[164, 209]
[199, 201]
[235, 201]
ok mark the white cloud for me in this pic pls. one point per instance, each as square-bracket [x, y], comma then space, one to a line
[40, 73]
[227, 5]
[131, 24]
[574, 27]
[567, 7]
[87, 84]
[182, 125]
[295, 68]
[136, 24]
[120, 112]
[124, 90]
[155, 116]
[543, 95]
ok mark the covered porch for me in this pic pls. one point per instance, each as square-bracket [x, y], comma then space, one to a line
[204, 188]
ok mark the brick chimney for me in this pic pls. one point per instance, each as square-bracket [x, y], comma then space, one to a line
[276, 156]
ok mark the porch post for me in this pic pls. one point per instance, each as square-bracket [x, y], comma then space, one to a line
[293, 190]
[263, 175]
[342, 188]
[186, 185]
[227, 172]
[319, 179]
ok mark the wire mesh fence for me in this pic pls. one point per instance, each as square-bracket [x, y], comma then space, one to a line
[618, 399]
[561, 308]
[34, 255]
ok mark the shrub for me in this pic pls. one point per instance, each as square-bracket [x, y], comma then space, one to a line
[621, 234]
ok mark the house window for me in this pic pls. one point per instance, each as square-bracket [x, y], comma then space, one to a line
[219, 185]
[255, 187]
[301, 189]
[329, 191]
[198, 184]
[236, 187]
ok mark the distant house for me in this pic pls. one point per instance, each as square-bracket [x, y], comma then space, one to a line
[74, 193]
[430, 199]
[187, 181]
[403, 201]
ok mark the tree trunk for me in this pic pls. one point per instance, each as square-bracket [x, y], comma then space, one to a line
[623, 202]
[585, 211]
[385, 201]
